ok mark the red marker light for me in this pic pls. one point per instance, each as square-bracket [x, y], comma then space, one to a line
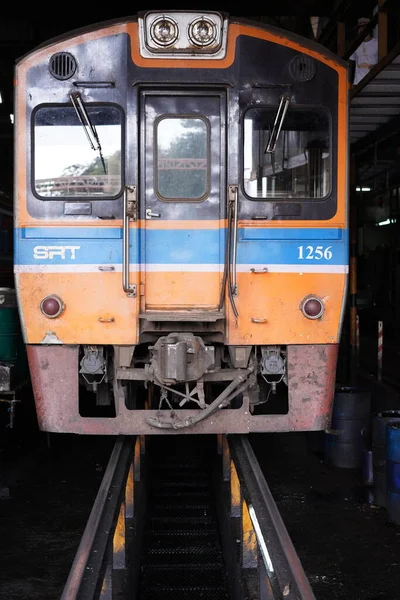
[312, 307]
[52, 306]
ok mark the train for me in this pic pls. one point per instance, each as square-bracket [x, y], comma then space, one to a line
[181, 249]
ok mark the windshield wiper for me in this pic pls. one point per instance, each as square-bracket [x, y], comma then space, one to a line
[276, 129]
[87, 125]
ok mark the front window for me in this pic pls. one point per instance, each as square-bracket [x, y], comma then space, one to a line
[182, 159]
[66, 163]
[299, 165]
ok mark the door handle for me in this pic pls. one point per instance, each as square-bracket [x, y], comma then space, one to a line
[151, 215]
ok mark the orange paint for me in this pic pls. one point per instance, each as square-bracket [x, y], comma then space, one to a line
[87, 297]
[189, 224]
[275, 298]
[168, 290]
[234, 31]
[93, 299]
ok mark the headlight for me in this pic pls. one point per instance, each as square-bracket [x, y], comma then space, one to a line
[164, 31]
[178, 34]
[202, 32]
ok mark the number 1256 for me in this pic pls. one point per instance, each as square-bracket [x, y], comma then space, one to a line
[314, 252]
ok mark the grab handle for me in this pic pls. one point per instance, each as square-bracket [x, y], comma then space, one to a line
[129, 213]
[234, 197]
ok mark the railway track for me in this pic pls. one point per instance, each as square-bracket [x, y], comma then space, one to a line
[180, 517]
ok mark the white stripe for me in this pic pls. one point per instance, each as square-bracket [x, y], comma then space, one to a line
[261, 542]
[294, 268]
[68, 268]
[188, 268]
[185, 268]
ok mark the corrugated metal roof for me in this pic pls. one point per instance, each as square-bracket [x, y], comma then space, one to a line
[376, 101]
[375, 123]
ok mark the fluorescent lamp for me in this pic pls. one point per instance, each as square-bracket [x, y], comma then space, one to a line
[363, 189]
[387, 222]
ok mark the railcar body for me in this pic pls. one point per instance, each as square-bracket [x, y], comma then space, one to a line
[181, 236]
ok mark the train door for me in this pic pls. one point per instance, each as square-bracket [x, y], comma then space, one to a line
[183, 195]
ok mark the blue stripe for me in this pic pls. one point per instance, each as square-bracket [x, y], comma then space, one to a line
[300, 250]
[257, 233]
[71, 233]
[245, 233]
[185, 246]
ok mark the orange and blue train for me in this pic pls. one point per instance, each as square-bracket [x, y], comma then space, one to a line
[181, 230]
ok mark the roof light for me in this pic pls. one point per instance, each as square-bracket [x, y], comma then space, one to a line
[387, 222]
[363, 189]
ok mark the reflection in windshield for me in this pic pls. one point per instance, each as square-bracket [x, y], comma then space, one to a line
[65, 164]
[182, 165]
[299, 166]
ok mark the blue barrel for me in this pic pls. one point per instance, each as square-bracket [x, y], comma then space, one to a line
[393, 472]
[367, 470]
[349, 434]
[379, 431]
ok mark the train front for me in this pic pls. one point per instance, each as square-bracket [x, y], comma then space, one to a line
[181, 246]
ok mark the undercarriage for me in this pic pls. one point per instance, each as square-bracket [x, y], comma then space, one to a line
[183, 372]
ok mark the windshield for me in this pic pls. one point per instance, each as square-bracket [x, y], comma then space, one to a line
[65, 164]
[299, 166]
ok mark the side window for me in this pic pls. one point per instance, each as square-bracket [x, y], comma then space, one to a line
[182, 159]
[65, 162]
[299, 166]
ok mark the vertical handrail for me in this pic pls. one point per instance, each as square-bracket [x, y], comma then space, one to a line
[128, 287]
[234, 189]
[86, 570]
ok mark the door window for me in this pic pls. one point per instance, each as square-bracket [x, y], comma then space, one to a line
[182, 164]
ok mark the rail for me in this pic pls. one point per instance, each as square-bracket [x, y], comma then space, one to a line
[102, 550]
[259, 557]
[281, 575]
